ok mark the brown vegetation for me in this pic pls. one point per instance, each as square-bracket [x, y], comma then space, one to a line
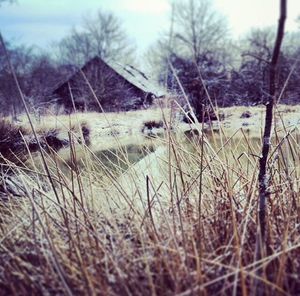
[12, 146]
[189, 229]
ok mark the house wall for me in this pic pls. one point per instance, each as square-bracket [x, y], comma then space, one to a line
[113, 91]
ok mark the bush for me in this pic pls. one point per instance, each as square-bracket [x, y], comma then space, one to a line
[12, 146]
[51, 139]
[246, 114]
[85, 129]
[151, 124]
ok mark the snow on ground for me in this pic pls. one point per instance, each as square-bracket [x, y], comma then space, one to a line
[106, 129]
[287, 116]
[124, 128]
[133, 181]
[113, 130]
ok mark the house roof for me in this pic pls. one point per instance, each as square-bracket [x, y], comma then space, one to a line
[134, 76]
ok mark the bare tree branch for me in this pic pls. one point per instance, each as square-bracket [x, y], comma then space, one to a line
[255, 56]
[263, 177]
[101, 36]
[198, 28]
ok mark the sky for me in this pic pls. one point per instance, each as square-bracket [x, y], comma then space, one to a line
[42, 22]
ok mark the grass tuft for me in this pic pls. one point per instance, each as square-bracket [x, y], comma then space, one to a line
[179, 221]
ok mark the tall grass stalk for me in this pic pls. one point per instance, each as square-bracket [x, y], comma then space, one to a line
[185, 225]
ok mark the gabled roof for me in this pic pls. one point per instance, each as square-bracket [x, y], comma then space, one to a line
[134, 76]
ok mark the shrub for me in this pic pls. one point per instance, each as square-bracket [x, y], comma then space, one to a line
[85, 129]
[50, 138]
[12, 146]
[151, 124]
[246, 114]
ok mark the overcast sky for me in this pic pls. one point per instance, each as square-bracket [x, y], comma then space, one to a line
[40, 22]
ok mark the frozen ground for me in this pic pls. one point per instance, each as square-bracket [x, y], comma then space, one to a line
[113, 129]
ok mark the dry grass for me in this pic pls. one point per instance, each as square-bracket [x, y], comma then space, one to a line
[12, 146]
[98, 121]
[180, 222]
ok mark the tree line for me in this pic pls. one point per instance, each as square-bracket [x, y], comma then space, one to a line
[195, 57]
[198, 59]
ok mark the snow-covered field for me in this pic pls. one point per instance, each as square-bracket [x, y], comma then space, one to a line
[113, 130]
[106, 129]
[118, 129]
[285, 117]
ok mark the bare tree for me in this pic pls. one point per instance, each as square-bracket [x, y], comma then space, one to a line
[36, 72]
[193, 55]
[259, 44]
[198, 27]
[249, 79]
[43, 76]
[20, 58]
[102, 36]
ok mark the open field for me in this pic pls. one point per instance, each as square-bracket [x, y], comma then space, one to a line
[167, 215]
[129, 124]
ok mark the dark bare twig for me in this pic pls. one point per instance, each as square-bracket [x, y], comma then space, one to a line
[256, 57]
[263, 177]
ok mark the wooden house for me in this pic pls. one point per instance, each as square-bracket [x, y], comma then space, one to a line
[102, 86]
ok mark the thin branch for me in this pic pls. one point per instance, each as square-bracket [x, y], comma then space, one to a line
[256, 57]
[263, 177]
